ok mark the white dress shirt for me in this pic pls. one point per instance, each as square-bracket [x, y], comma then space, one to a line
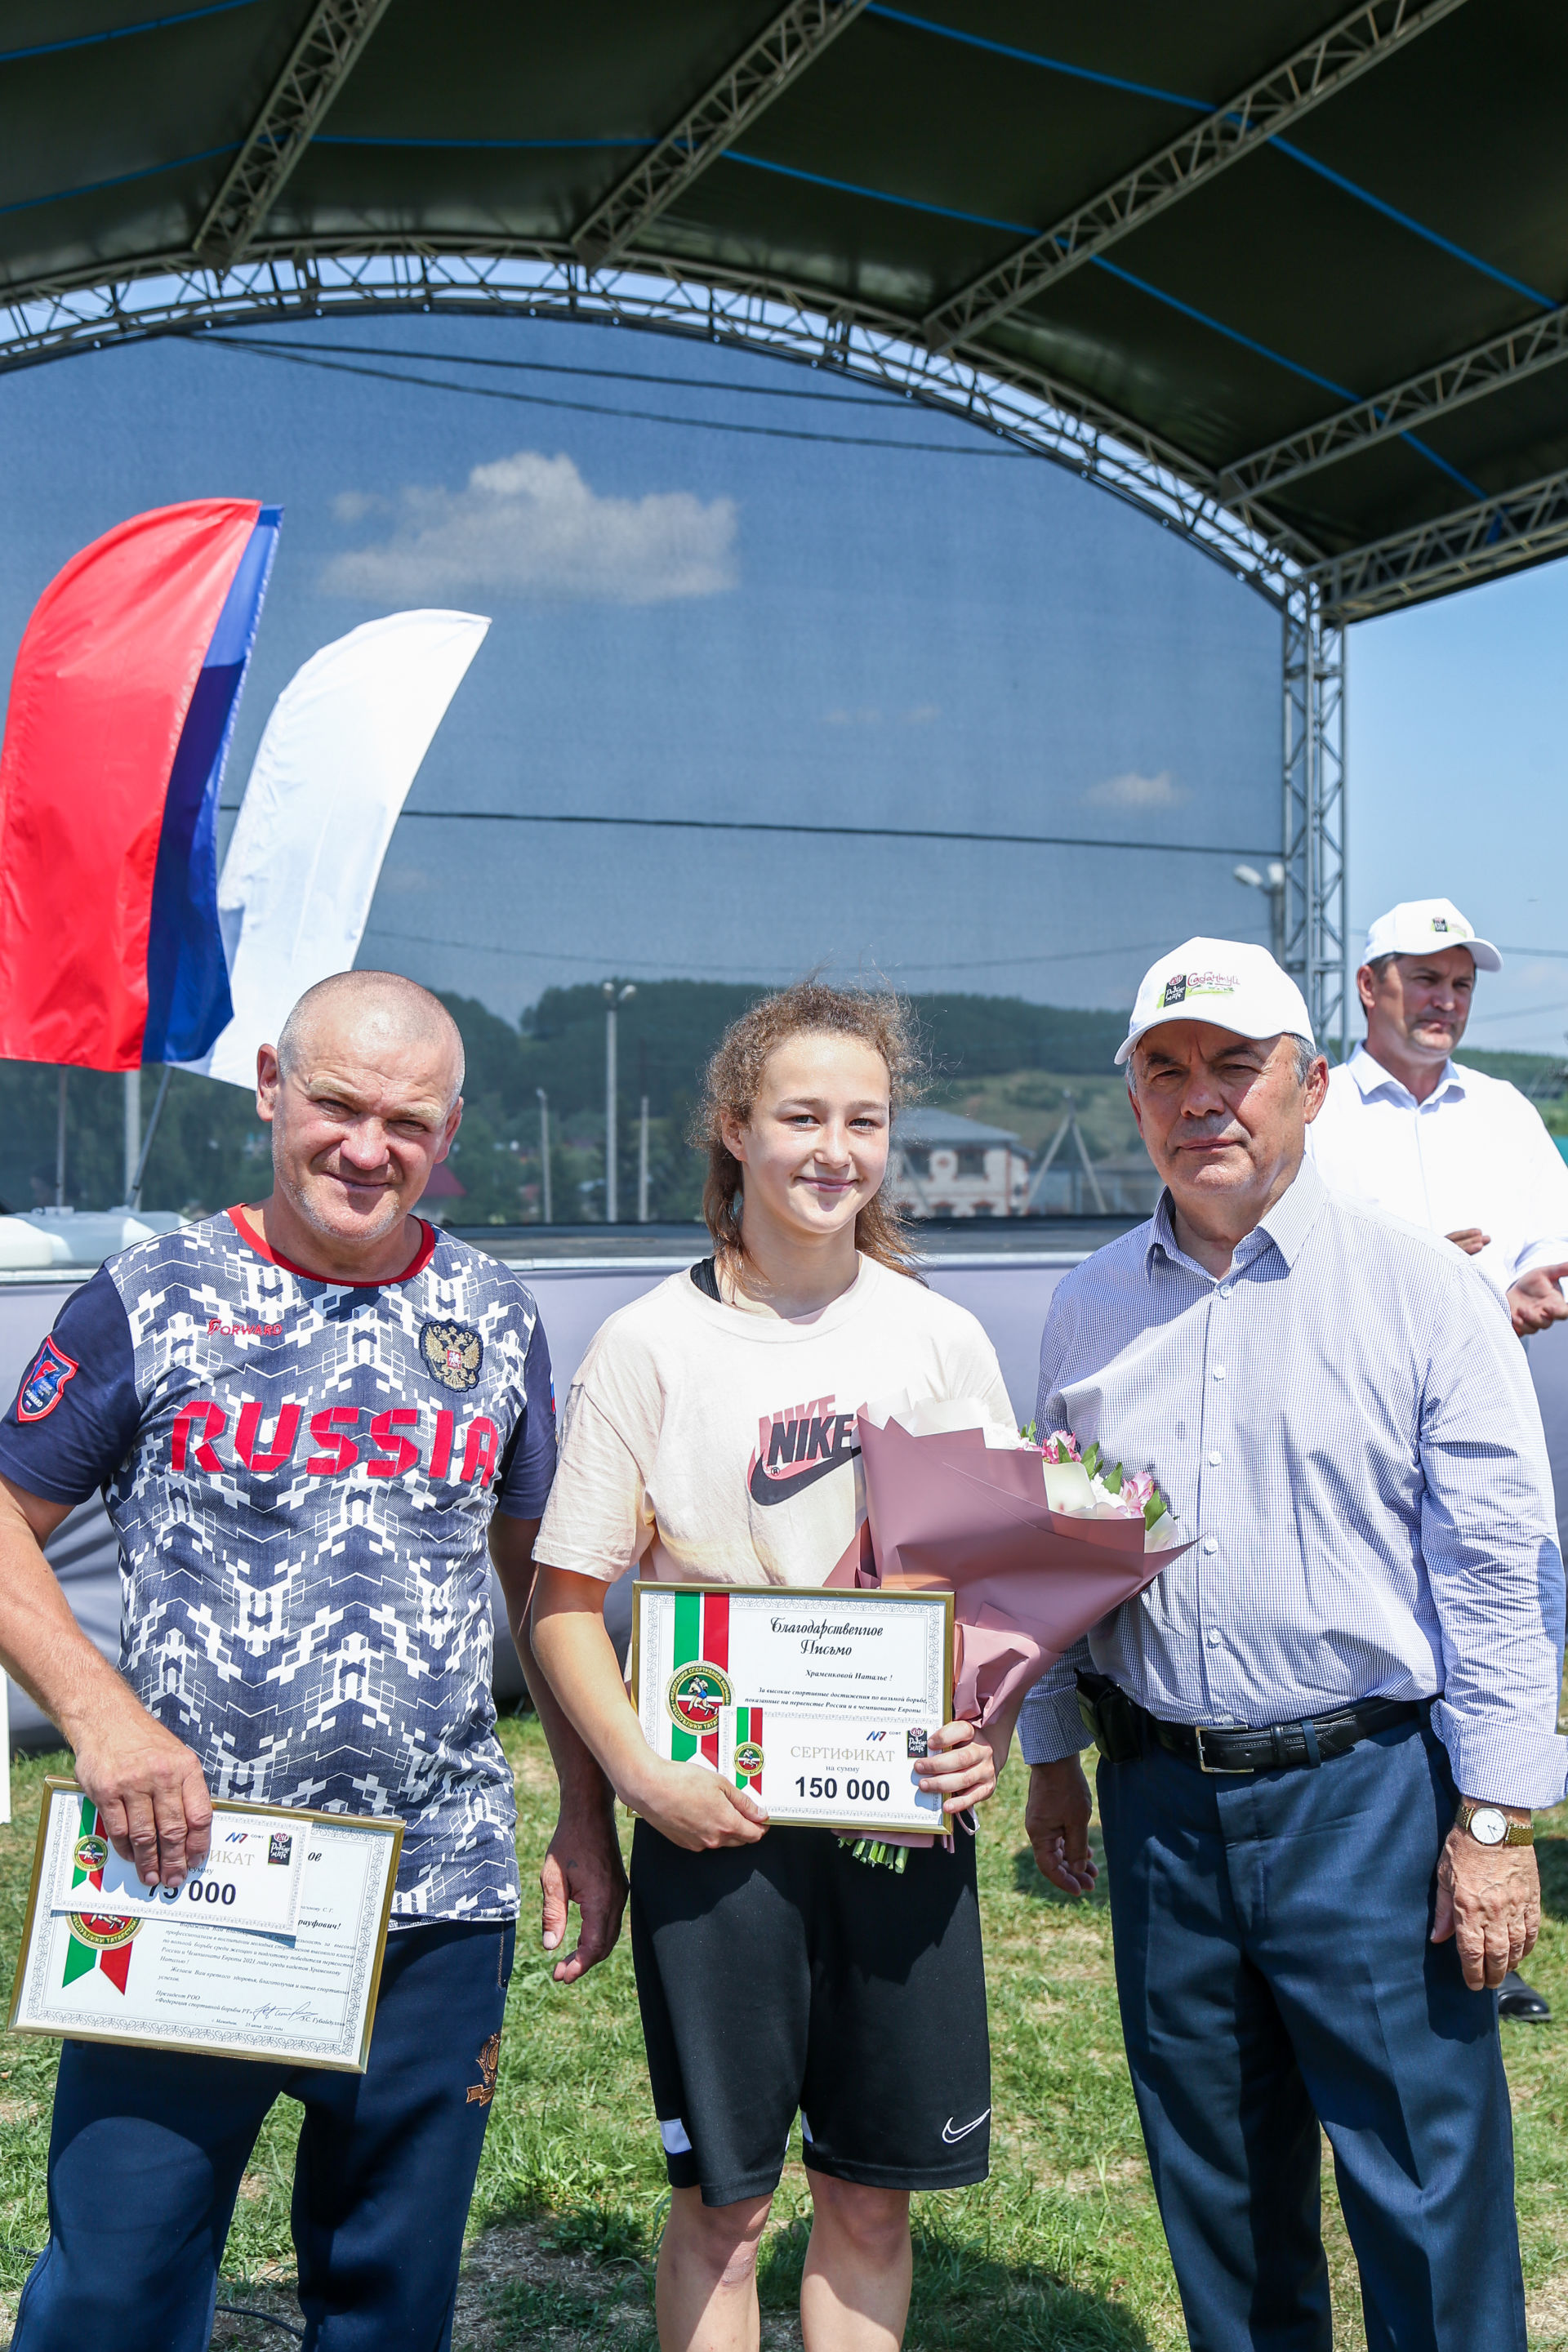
[1474, 1153]
[1344, 1422]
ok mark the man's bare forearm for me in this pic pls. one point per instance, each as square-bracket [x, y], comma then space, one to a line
[41, 1645]
[583, 1788]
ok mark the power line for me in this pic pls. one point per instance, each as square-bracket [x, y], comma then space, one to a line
[738, 970]
[818, 392]
[601, 408]
[832, 832]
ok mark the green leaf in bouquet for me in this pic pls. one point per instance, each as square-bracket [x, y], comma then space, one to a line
[1092, 1460]
[1112, 1480]
[1154, 1510]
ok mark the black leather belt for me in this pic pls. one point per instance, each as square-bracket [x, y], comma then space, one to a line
[1281, 1746]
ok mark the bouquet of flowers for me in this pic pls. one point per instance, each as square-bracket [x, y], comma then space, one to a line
[1037, 1542]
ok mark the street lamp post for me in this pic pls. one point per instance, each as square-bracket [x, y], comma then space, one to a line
[611, 1001]
[544, 1148]
[1272, 883]
[642, 1132]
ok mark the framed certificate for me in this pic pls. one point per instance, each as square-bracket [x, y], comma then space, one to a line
[821, 1703]
[273, 1950]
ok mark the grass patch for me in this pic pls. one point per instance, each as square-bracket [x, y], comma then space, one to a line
[1061, 2250]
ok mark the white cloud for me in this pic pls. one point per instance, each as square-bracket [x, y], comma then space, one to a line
[352, 506]
[1135, 792]
[530, 526]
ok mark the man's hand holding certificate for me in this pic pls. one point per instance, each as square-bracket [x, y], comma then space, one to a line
[271, 1949]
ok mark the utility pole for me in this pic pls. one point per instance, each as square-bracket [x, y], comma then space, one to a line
[1271, 882]
[642, 1137]
[61, 1147]
[611, 1001]
[1070, 1127]
[544, 1148]
[132, 1129]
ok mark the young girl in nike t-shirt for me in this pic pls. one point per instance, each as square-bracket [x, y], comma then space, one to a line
[775, 1972]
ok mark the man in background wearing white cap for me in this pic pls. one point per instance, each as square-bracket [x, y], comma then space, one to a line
[1407, 1129]
[1324, 1726]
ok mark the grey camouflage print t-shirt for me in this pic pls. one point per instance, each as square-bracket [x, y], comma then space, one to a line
[301, 1474]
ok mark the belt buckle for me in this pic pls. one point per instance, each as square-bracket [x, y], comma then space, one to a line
[1215, 1769]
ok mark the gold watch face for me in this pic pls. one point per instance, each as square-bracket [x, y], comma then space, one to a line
[1487, 1826]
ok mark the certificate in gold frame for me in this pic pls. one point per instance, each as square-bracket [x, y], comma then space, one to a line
[263, 2047]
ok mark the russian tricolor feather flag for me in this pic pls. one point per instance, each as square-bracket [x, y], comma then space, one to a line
[121, 708]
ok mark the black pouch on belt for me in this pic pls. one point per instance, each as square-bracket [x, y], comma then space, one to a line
[1111, 1718]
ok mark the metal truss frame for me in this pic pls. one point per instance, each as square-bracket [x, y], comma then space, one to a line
[1408, 407]
[775, 318]
[795, 40]
[319, 64]
[1321, 67]
[1316, 900]
[1317, 597]
[1509, 533]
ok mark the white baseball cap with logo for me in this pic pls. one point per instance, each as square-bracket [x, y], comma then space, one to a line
[1426, 926]
[1230, 982]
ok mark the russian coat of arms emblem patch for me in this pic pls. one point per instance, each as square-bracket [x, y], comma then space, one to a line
[453, 1353]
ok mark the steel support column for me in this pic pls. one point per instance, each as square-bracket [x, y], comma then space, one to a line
[1317, 911]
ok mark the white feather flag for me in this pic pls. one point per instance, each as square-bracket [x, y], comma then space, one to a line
[340, 750]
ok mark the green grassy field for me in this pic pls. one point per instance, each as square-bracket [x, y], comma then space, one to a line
[1059, 2251]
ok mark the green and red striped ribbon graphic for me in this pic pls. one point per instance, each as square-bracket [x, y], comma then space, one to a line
[95, 1940]
[701, 1638]
[748, 1732]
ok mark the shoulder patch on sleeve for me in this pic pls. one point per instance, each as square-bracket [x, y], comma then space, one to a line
[45, 1382]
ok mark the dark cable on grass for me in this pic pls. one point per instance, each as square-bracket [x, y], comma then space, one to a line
[249, 2311]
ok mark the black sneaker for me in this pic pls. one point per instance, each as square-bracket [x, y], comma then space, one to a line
[1521, 2001]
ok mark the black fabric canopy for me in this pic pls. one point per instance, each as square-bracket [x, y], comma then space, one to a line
[1294, 273]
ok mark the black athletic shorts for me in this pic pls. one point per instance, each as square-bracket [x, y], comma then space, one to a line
[786, 1975]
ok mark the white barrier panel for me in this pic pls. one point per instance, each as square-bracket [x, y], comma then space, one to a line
[1009, 1296]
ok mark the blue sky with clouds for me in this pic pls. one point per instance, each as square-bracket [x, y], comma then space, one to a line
[695, 620]
[1460, 769]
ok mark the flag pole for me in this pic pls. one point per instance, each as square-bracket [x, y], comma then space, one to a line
[135, 1199]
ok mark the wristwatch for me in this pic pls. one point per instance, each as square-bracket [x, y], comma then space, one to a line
[1488, 1826]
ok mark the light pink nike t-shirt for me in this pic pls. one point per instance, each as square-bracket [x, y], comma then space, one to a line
[712, 1444]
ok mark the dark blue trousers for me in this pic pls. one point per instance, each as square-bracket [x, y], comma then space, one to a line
[148, 2149]
[1274, 1972]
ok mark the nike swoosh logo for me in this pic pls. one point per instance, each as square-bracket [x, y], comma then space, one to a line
[963, 2130]
[765, 1488]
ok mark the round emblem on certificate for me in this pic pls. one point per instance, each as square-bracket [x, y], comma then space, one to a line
[748, 1759]
[106, 1934]
[91, 1854]
[694, 1696]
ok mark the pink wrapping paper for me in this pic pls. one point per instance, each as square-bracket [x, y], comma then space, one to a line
[1028, 1582]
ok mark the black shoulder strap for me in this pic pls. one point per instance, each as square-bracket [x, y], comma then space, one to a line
[705, 1275]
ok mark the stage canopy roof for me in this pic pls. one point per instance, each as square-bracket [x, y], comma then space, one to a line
[1289, 275]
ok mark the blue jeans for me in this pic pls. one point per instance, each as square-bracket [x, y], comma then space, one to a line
[1274, 1972]
[148, 2149]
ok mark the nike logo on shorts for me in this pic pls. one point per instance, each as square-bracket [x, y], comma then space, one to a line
[963, 2130]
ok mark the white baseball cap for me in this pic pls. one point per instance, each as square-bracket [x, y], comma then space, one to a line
[1228, 982]
[1426, 926]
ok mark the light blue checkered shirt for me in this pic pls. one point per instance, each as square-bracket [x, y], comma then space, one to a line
[1345, 1421]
